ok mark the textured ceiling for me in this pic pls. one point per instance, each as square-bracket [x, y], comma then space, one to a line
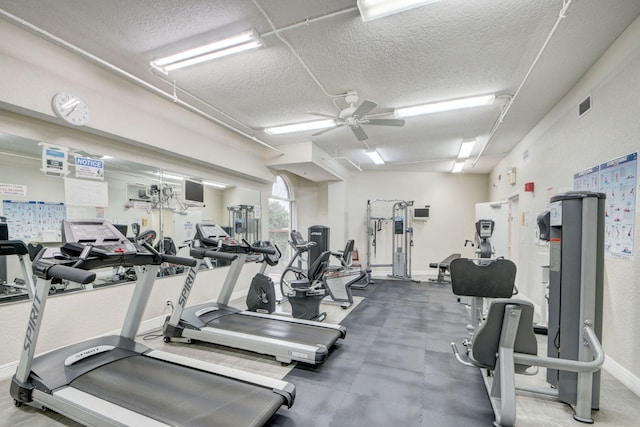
[445, 50]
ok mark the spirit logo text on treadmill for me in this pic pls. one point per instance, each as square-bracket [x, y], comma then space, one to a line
[31, 326]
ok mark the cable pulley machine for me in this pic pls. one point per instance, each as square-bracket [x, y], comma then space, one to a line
[401, 237]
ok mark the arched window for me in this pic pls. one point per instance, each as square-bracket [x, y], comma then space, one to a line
[281, 217]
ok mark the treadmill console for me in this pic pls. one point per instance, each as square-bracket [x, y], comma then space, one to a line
[105, 239]
[212, 235]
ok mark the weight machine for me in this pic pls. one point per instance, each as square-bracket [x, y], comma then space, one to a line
[401, 237]
[243, 223]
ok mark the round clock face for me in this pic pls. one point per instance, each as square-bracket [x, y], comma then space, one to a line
[70, 108]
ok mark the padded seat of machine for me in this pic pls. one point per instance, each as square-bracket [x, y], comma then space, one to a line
[445, 262]
[490, 279]
[486, 340]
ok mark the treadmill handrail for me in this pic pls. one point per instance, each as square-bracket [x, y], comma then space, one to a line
[200, 253]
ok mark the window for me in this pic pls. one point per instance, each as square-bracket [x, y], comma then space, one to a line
[281, 219]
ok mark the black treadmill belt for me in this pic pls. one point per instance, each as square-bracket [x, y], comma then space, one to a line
[277, 329]
[177, 395]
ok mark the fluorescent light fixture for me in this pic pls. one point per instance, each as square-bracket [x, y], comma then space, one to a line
[299, 127]
[438, 107]
[229, 46]
[214, 184]
[373, 154]
[466, 148]
[374, 9]
[457, 167]
[170, 176]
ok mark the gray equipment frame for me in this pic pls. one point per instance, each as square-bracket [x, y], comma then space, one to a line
[48, 380]
[190, 323]
[401, 242]
[575, 304]
[507, 323]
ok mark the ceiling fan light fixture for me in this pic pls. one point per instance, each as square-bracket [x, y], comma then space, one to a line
[457, 167]
[438, 107]
[299, 127]
[374, 9]
[466, 148]
[229, 46]
[375, 157]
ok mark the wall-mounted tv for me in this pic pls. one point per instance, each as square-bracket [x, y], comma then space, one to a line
[421, 213]
[193, 191]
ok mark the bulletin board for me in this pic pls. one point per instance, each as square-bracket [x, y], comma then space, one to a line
[616, 178]
[34, 220]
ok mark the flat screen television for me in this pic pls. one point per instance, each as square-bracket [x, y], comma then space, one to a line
[193, 191]
[421, 213]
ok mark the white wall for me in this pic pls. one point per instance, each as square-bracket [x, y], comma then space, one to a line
[452, 198]
[563, 144]
[342, 206]
[34, 70]
[78, 316]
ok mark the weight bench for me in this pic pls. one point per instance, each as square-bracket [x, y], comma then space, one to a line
[505, 345]
[443, 268]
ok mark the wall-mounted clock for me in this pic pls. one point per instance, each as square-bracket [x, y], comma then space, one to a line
[70, 108]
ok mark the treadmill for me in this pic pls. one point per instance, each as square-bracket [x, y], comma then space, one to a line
[116, 381]
[286, 338]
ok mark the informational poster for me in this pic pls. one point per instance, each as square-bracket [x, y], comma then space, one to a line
[34, 221]
[80, 192]
[87, 167]
[616, 178]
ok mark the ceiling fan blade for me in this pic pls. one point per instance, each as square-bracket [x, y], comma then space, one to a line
[359, 133]
[321, 115]
[364, 108]
[326, 130]
[384, 122]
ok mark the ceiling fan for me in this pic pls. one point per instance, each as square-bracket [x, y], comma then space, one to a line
[356, 117]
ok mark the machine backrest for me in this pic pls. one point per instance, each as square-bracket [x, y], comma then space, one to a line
[490, 279]
[486, 340]
[318, 266]
[348, 253]
[169, 246]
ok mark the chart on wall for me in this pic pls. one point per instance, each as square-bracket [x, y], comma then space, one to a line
[616, 178]
[32, 220]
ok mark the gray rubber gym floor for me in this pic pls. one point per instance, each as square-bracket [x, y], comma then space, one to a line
[395, 367]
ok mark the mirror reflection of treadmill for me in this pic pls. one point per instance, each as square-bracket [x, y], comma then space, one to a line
[114, 380]
[286, 338]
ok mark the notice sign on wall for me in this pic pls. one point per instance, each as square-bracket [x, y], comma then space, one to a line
[87, 167]
[13, 190]
[616, 178]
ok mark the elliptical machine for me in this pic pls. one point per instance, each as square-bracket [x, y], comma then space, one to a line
[303, 287]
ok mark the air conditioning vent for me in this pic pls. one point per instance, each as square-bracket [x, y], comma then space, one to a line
[584, 107]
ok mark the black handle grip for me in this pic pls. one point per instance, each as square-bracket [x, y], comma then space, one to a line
[172, 259]
[200, 253]
[220, 255]
[73, 274]
[268, 251]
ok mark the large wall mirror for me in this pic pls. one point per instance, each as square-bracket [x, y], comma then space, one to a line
[161, 206]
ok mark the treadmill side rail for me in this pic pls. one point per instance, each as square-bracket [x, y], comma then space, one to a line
[86, 408]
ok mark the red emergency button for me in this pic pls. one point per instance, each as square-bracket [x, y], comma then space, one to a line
[119, 249]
